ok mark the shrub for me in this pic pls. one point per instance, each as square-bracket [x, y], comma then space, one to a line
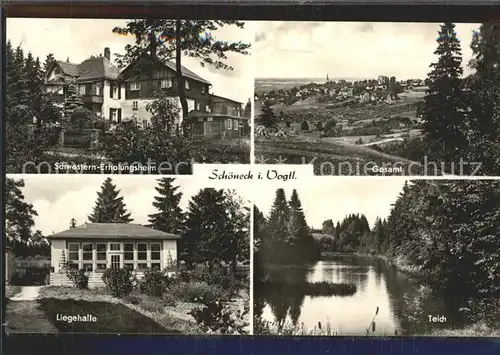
[79, 279]
[154, 283]
[118, 281]
[132, 299]
[218, 318]
[196, 291]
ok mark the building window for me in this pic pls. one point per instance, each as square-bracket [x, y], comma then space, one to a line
[235, 125]
[87, 251]
[98, 90]
[229, 123]
[145, 124]
[187, 86]
[197, 106]
[135, 86]
[203, 89]
[115, 92]
[57, 71]
[82, 89]
[155, 251]
[101, 256]
[207, 108]
[128, 254]
[166, 83]
[155, 255]
[115, 247]
[210, 119]
[73, 255]
[135, 105]
[142, 255]
[115, 261]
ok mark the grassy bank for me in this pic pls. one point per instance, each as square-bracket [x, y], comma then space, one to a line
[332, 158]
[157, 315]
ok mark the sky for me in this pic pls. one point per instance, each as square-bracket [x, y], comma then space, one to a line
[78, 39]
[350, 49]
[336, 198]
[59, 198]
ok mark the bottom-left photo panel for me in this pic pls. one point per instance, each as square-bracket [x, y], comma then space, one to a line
[126, 255]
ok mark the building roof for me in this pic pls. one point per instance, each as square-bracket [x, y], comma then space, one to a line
[221, 98]
[172, 66]
[186, 72]
[112, 231]
[92, 68]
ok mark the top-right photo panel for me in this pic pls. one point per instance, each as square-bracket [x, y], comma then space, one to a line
[375, 98]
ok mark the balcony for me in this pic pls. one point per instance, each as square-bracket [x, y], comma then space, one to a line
[95, 99]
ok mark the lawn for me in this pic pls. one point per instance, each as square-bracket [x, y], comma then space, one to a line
[152, 315]
[110, 317]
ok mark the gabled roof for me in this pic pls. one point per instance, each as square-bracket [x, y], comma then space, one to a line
[172, 66]
[112, 231]
[70, 69]
[221, 98]
[92, 68]
[187, 73]
[100, 67]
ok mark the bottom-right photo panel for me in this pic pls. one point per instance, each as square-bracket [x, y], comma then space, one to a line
[378, 257]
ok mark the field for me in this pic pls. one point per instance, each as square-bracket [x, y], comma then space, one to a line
[332, 158]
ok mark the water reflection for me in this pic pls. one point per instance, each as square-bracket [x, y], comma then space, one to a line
[403, 304]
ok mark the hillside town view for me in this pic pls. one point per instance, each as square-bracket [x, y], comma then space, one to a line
[392, 122]
[366, 112]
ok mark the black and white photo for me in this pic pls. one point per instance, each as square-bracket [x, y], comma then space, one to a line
[378, 257]
[378, 98]
[105, 96]
[126, 255]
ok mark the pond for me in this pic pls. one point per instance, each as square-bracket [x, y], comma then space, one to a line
[404, 304]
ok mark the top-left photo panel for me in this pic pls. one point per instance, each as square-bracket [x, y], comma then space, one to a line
[114, 96]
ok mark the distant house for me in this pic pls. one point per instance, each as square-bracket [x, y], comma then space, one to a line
[117, 95]
[95, 247]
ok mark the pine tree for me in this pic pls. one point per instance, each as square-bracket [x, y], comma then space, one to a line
[274, 245]
[248, 109]
[109, 207]
[484, 100]
[443, 110]
[19, 214]
[9, 72]
[48, 62]
[207, 229]
[73, 100]
[169, 217]
[300, 235]
[18, 81]
[267, 118]
[62, 262]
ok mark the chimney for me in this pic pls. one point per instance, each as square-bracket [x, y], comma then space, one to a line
[107, 53]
